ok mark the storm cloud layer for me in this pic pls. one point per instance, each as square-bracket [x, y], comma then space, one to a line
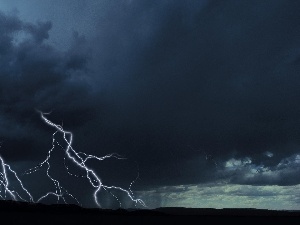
[190, 90]
[34, 76]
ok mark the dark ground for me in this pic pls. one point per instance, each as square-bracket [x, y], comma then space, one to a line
[26, 213]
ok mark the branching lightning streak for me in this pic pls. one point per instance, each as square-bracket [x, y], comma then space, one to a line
[4, 183]
[80, 161]
[78, 158]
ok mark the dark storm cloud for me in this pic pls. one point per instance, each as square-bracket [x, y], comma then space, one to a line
[180, 87]
[244, 171]
[220, 76]
[35, 75]
[39, 32]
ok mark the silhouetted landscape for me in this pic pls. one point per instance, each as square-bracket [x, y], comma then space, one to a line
[31, 213]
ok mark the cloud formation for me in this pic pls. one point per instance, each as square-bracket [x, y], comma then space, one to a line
[35, 75]
[243, 171]
[222, 195]
[219, 76]
[180, 87]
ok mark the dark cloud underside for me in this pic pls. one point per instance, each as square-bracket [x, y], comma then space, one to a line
[165, 83]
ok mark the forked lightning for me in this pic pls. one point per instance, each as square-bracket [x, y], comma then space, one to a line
[8, 191]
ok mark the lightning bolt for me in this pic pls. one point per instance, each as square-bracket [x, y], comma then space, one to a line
[5, 184]
[79, 159]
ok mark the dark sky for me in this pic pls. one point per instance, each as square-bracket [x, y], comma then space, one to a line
[190, 92]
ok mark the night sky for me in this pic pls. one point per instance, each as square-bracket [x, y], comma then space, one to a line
[201, 97]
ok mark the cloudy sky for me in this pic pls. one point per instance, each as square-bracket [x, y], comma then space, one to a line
[201, 97]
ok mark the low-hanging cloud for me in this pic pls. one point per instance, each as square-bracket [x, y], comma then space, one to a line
[243, 171]
[162, 76]
[220, 76]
